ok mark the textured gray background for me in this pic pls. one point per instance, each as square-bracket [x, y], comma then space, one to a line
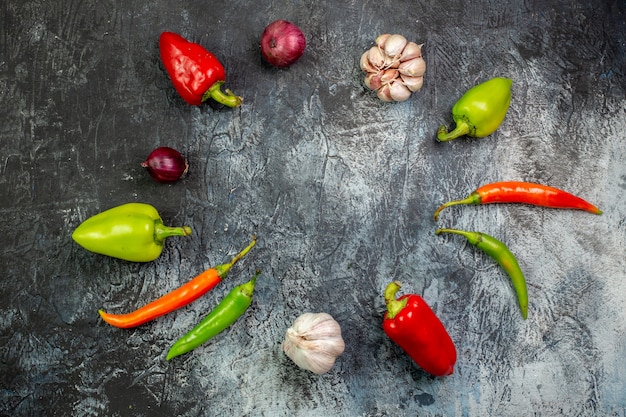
[340, 189]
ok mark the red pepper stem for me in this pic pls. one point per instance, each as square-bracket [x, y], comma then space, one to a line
[223, 269]
[474, 198]
[226, 98]
[461, 129]
[394, 306]
[162, 231]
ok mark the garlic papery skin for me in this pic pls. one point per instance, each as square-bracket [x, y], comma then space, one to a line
[393, 67]
[313, 342]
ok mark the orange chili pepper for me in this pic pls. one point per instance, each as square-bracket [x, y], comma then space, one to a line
[180, 297]
[523, 192]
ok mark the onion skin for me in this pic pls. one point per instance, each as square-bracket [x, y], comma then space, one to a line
[282, 43]
[165, 165]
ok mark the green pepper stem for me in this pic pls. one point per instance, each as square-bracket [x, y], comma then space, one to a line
[472, 237]
[226, 98]
[247, 289]
[394, 306]
[474, 198]
[462, 128]
[162, 231]
[223, 269]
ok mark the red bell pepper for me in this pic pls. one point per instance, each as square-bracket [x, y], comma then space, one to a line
[195, 72]
[413, 326]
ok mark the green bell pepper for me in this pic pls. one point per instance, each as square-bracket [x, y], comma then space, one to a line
[480, 111]
[133, 232]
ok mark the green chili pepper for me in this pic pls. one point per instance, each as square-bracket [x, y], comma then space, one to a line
[498, 251]
[133, 232]
[226, 313]
[480, 111]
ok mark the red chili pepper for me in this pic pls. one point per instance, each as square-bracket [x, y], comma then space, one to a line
[523, 192]
[195, 72]
[413, 326]
[180, 297]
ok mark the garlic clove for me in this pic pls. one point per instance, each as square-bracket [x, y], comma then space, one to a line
[373, 80]
[314, 342]
[413, 83]
[389, 75]
[392, 63]
[293, 351]
[394, 45]
[376, 57]
[384, 94]
[380, 40]
[411, 50]
[365, 63]
[413, 67]
[398, 91]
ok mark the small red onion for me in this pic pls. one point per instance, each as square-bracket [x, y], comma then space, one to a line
[165, 164]
[282, 43]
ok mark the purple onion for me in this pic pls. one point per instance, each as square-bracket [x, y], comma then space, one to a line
[282, 43]
[165, 164]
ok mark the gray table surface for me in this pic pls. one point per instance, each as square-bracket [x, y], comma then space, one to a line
[340, 189]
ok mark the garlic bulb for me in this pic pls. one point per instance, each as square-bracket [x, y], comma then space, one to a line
[394, 67]
[314, 342]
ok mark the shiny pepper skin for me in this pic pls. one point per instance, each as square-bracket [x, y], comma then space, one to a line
[233, 306]
[412, 325]
[133, 232]
[505, 258]
[480, 111]
[196, 73]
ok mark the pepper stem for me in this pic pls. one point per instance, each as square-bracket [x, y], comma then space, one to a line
[223, 269]
[226, 98]
[394, 306]
[474, 198]
[472, 237]
[162, 231]
[247, 289]
[462, 128]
